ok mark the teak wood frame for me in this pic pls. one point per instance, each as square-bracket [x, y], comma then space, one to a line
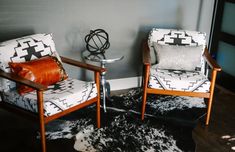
[40, 88]
[147, 64]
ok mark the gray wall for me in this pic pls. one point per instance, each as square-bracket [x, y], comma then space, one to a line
[126, 21]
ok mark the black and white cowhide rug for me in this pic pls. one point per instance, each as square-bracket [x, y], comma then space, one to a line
[167, 126]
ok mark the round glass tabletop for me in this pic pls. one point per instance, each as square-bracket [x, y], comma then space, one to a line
[107, 57]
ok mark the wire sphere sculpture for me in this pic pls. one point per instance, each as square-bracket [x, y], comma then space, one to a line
[97, 41]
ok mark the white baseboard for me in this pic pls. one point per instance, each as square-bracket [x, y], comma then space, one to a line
[125, 83]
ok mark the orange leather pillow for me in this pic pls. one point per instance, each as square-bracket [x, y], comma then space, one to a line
[46, 71]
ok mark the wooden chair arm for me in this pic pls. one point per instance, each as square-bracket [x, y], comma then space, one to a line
[211, 62]
[23, 81]
[82, 65]
[146, 53]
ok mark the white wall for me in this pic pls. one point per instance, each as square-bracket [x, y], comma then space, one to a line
[206, 17]
[126, 21]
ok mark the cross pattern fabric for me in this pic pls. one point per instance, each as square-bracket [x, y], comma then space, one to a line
[179, 66]
[176, 37]
[191, 81]
[59, 97]
[24, 49]
[50, 102]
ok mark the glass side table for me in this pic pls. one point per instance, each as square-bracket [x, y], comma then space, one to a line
[103, 59]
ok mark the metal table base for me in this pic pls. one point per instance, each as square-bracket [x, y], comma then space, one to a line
[102, 59]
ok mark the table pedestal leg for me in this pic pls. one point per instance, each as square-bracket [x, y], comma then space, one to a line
[103, 95]
[103, 87]
[107, 87]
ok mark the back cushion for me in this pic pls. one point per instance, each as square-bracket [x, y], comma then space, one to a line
[24, 49]
[176, 37]
[175, 57]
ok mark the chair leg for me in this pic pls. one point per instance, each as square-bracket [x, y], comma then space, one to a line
[98, 113]
[142, 81]
[43, 137]
[97, 81]
[41, 120]
[208, 111]
[143, 103]
[145, 85]
[213, 78]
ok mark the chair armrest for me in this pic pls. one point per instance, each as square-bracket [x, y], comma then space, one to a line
[82, 65]
[146, 53]
[21, 80]
[211, 62]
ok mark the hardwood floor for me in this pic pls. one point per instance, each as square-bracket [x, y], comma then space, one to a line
[219, 136]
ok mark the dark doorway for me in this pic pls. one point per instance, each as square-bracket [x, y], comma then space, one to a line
[222, 44]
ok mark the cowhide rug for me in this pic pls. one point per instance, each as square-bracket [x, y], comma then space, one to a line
[168, 125]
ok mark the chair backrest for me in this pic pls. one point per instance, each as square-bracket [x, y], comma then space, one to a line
[176, 37]
[24, 49]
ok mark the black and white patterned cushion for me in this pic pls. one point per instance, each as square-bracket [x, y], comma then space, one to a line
[24, 49]
[59, 97]
[191, 81]
[176, 37]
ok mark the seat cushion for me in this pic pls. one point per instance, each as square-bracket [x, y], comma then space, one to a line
[191, 81]
[59, 97]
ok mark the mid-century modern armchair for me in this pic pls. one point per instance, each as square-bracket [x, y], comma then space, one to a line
[28, 57]
[176, 63]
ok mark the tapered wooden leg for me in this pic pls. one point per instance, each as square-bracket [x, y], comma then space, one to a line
[43, 138]
[146, 77]
[41, 119]
[143, 103]
[142, 81]
[213, 78]
[209, 110]
[98, 113]
[97, 80]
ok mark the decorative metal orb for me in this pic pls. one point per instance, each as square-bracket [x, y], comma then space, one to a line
[97, 41]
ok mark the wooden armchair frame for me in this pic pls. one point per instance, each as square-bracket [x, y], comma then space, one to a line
[40, 88]
[147, 64]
